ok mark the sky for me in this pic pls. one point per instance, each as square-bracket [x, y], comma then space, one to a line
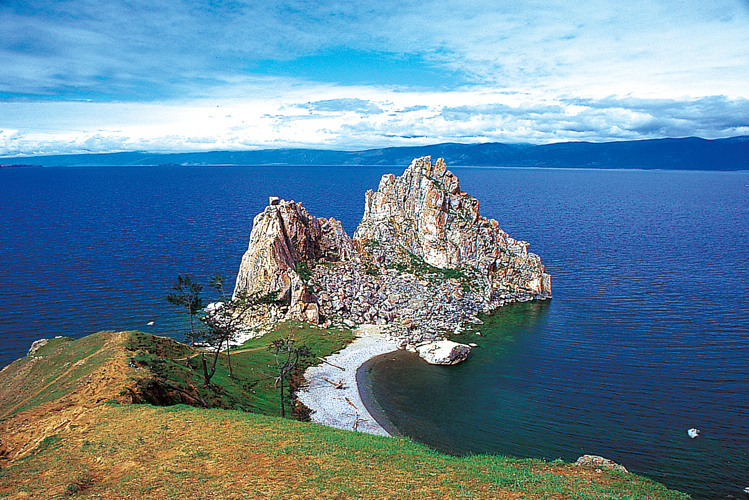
[84, 76]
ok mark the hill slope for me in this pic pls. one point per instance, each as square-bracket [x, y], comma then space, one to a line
[66, 432]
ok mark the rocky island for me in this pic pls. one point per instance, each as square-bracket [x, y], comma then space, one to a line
[423, 262]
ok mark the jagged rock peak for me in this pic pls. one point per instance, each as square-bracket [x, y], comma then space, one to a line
[425, 212]
[420, 209]
[284, 237]
[423, 260]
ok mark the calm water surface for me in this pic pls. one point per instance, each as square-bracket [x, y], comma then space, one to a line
[647, 334]
[646, 337]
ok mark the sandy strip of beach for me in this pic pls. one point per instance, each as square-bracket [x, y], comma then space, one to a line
[341, 407]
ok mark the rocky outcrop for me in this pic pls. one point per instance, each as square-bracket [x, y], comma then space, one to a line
[597, 461]
[442, 352]
[423, 261]
[35, 346]
[284, 243]
[425, 212]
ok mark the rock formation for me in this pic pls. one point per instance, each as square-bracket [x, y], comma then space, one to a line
[284, 243]
[425, 212]
[597, 461]
[442, 352]
[422, 261]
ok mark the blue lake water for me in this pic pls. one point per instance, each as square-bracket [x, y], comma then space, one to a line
[647, 334]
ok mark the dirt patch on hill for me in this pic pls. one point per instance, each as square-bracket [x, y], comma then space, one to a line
[31, 410]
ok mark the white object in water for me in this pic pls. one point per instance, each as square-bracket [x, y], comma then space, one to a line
[693, 433]
[150, 323]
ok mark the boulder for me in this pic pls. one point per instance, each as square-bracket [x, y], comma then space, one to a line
[36, 345]
[596, 461]
[443, 352]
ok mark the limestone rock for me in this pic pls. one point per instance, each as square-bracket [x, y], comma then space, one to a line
[596, 461]
[36, 345]
[443, 352]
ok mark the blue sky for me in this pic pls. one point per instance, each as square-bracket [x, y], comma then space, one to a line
[156, 75]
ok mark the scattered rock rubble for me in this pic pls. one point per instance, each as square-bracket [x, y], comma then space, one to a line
[597, 461]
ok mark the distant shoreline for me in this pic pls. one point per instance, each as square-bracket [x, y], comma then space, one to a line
[683, 153]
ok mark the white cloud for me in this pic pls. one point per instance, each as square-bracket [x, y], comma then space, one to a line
[158, 75]
[405, 118]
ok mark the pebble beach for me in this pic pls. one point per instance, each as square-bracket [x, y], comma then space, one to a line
[338, 404]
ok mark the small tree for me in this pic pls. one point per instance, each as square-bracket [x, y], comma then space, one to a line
[187, 295]
[288, 355]
[224, 323]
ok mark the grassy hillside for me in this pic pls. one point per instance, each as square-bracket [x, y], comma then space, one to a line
[252, 387]
[67, 430]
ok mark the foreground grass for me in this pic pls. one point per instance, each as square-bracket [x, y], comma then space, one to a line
[64, 434]
[141, 451]
[56, 370]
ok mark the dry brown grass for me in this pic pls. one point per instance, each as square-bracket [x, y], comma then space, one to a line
[46, 395]
[139, 451]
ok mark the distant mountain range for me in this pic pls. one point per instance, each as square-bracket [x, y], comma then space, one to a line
[690, 153]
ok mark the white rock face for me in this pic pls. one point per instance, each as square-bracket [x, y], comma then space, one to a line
[36, 345]
[443, 352]
[284, 236]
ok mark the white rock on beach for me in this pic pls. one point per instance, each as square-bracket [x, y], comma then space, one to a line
[443, 352]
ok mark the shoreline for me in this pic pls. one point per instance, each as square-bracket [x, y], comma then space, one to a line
[367, 395]
[343, 407]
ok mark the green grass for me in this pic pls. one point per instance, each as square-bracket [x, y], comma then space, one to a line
[252, 386]
[303, 270]
[417, 266]
[179, 451]
[55, 370]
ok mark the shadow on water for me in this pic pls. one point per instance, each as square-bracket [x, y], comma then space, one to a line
[428, 402]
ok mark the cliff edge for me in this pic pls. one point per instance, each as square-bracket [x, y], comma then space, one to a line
[285, 241]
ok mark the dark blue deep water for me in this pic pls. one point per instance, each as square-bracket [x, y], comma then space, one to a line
[647, 334]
